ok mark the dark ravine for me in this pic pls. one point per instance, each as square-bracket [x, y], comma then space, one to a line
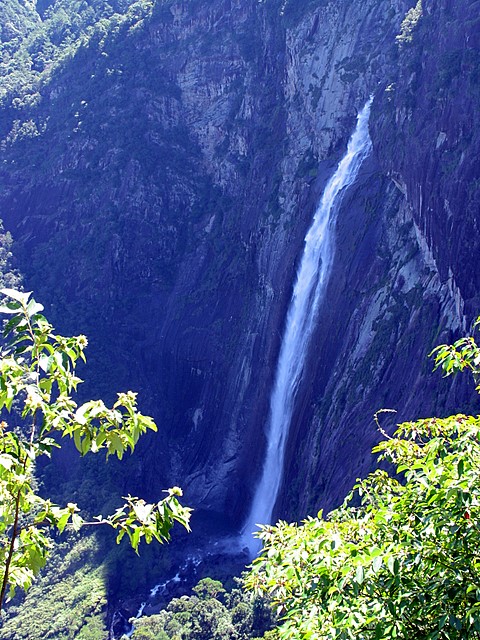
[160, 205]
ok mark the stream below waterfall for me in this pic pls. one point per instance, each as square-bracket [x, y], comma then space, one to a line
[193, 563]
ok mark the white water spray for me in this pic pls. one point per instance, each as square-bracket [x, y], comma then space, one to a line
[312, 279]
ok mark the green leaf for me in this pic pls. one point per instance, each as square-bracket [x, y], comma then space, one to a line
[142, 510]
[12, 323]
[135, 538]
[6, 461]
[115, 445]
[77, 521]
[10, 308]
[34, 308]
[147, 422]
[46, 362]
[377, 563]
[359, 574]
[392, 564]
[19, 296]
[77, 439]
[85, 444]
[62, 522]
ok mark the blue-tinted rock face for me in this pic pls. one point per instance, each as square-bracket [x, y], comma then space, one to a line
[431, 143]
[159, 182]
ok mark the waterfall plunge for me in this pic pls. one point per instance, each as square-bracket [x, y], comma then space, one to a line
[312, 279]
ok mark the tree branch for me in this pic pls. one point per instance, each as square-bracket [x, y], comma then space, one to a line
[10, 549]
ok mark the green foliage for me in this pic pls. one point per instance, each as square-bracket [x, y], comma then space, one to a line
[32, 46]
[208, 588]
[37, 373]
[405, 562]
[463, 354]
[8, 276]
[35, 45]
[70, 598]
[211, 614]
[409, 24]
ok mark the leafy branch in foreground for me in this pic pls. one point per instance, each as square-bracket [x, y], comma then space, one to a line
[405, 563]
[37, 378]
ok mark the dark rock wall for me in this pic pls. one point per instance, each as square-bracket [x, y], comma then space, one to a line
[406, 275]
[426, 120]
[160, 202]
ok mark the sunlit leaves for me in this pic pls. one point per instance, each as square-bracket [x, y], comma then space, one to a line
[405, 561]
[138, 520]
[463, 354]
[37, 373]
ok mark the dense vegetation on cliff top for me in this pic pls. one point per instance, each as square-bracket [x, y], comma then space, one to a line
[34, 39]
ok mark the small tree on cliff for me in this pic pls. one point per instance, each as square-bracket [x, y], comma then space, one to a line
[37, 379]
[405, 563]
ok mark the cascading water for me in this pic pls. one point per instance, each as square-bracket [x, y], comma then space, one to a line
[312, 278]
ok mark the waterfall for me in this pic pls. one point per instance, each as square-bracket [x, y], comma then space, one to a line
[310, 286]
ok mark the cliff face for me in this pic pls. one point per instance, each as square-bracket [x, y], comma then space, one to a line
[405, 278]
[159, 184]
[427, 119]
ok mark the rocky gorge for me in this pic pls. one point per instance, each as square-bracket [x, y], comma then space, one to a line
[158, 182]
